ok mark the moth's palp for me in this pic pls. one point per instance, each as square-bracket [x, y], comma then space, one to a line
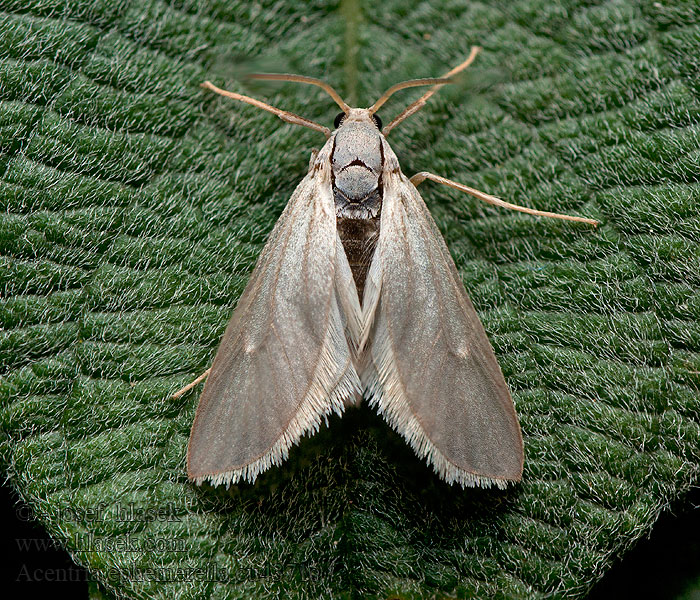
[285, 115]
[418, 104]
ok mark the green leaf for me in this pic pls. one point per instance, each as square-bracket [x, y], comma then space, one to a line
[134, 205]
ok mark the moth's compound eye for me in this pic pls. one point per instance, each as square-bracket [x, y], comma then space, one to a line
[377, 121]
[338, 120]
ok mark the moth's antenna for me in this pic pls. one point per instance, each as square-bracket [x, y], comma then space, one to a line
[418, 104]
[403, 85]
[285, 115]
[303, 79]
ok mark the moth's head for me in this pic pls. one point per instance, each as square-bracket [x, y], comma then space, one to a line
[357, 115]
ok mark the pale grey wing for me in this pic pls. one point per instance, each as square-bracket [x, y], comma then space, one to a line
[284, 362]
[431, 370]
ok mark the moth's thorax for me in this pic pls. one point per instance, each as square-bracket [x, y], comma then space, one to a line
[357, 164]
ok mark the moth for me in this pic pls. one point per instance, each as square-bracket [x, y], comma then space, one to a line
[355, 294]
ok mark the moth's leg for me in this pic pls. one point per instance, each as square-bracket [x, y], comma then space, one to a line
[189, 386]
[420, 177]
[312, 160]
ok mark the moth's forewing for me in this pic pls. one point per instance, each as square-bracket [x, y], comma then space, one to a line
[433, 373]
[284, 361]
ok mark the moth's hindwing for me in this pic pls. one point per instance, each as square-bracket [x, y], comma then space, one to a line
[432, 372]
[284, 362]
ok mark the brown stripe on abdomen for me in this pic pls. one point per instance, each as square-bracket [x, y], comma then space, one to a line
[359, 238]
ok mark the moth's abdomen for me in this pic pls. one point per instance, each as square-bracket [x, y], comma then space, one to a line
[359, 238]
[358, 228]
